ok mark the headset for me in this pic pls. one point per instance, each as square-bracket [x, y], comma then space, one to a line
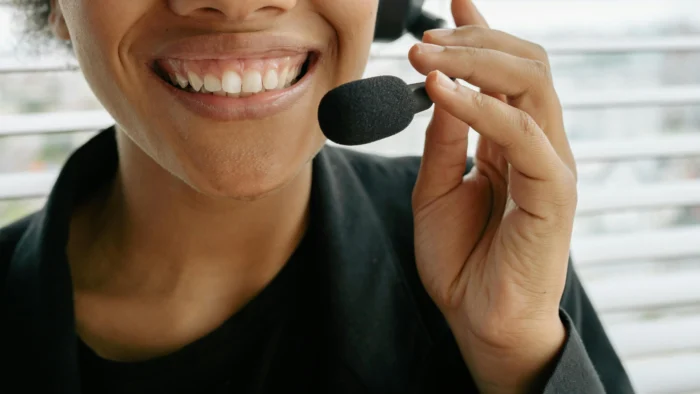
[398, 17]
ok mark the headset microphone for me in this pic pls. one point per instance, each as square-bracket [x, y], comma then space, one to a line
[370, 109]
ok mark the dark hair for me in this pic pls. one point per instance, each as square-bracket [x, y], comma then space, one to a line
[36, 16]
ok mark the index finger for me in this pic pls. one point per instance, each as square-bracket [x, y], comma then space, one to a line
[465, 13]
[524, 143]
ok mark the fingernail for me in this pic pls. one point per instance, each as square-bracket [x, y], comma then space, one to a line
[439, 32]
[429, 48]
[445, 82]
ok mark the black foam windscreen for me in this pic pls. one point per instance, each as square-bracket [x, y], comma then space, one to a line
[367, 110]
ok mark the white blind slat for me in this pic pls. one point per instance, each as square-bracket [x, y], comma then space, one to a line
[667, 244]
[26, 185]
[666, 374]
[631, 197]
[629, 291]
[644, 338]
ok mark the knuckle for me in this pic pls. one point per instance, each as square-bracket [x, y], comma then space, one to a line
[470, 52]
[542, 71]
[478, 101]
[468, 62]
[574, 170]
[478, 36]
[527, 124]
[566, 190]
[540, 53]
[475, 35]
[570, 184]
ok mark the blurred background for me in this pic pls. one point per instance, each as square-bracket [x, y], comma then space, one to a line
[628, 73]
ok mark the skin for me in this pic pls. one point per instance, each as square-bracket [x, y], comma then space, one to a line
[167, 248]
[194, 204]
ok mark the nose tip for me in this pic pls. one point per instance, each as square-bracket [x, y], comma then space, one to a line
[231, 10]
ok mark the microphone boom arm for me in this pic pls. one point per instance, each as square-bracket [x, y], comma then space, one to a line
[421, 100]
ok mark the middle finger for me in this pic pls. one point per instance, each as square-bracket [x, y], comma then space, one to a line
[489, 69]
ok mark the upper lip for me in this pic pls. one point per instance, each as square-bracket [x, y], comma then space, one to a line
[235, 45]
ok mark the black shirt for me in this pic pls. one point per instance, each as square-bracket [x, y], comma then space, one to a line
[265, 347]
[352, 318]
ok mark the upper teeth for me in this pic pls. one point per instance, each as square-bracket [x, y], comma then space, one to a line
[234, 83]
[212, 83]
[231, 82]
[252, 82]
[182, 81]
[195, 81]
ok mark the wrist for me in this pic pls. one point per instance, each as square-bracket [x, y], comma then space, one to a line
[524, 365]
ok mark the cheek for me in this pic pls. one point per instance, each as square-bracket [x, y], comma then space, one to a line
[98, 30]
[94, 27]
[100, 26]
[351, 13]
[101, 33]
[353, 21]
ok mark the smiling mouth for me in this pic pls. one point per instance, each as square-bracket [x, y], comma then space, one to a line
[235, 77]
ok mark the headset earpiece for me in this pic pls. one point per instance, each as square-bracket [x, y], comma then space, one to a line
[397, 17]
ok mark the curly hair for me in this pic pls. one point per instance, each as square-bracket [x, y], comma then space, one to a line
[36, 15]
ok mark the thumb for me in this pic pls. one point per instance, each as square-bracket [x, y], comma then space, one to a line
[444, 158]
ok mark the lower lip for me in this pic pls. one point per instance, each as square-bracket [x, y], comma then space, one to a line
[257, 106]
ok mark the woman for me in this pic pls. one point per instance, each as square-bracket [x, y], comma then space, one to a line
[210, 243]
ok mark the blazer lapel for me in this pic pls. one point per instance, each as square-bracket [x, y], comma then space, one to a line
[40, 334]
[374, 323]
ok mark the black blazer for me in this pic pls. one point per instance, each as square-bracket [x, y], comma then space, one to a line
[385, 331]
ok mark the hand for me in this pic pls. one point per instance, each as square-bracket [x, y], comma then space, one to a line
[492, 248]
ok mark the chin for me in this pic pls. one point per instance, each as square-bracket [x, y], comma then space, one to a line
[250, 173]
[243, 188]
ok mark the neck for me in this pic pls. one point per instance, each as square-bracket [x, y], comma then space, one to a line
[155, 235]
